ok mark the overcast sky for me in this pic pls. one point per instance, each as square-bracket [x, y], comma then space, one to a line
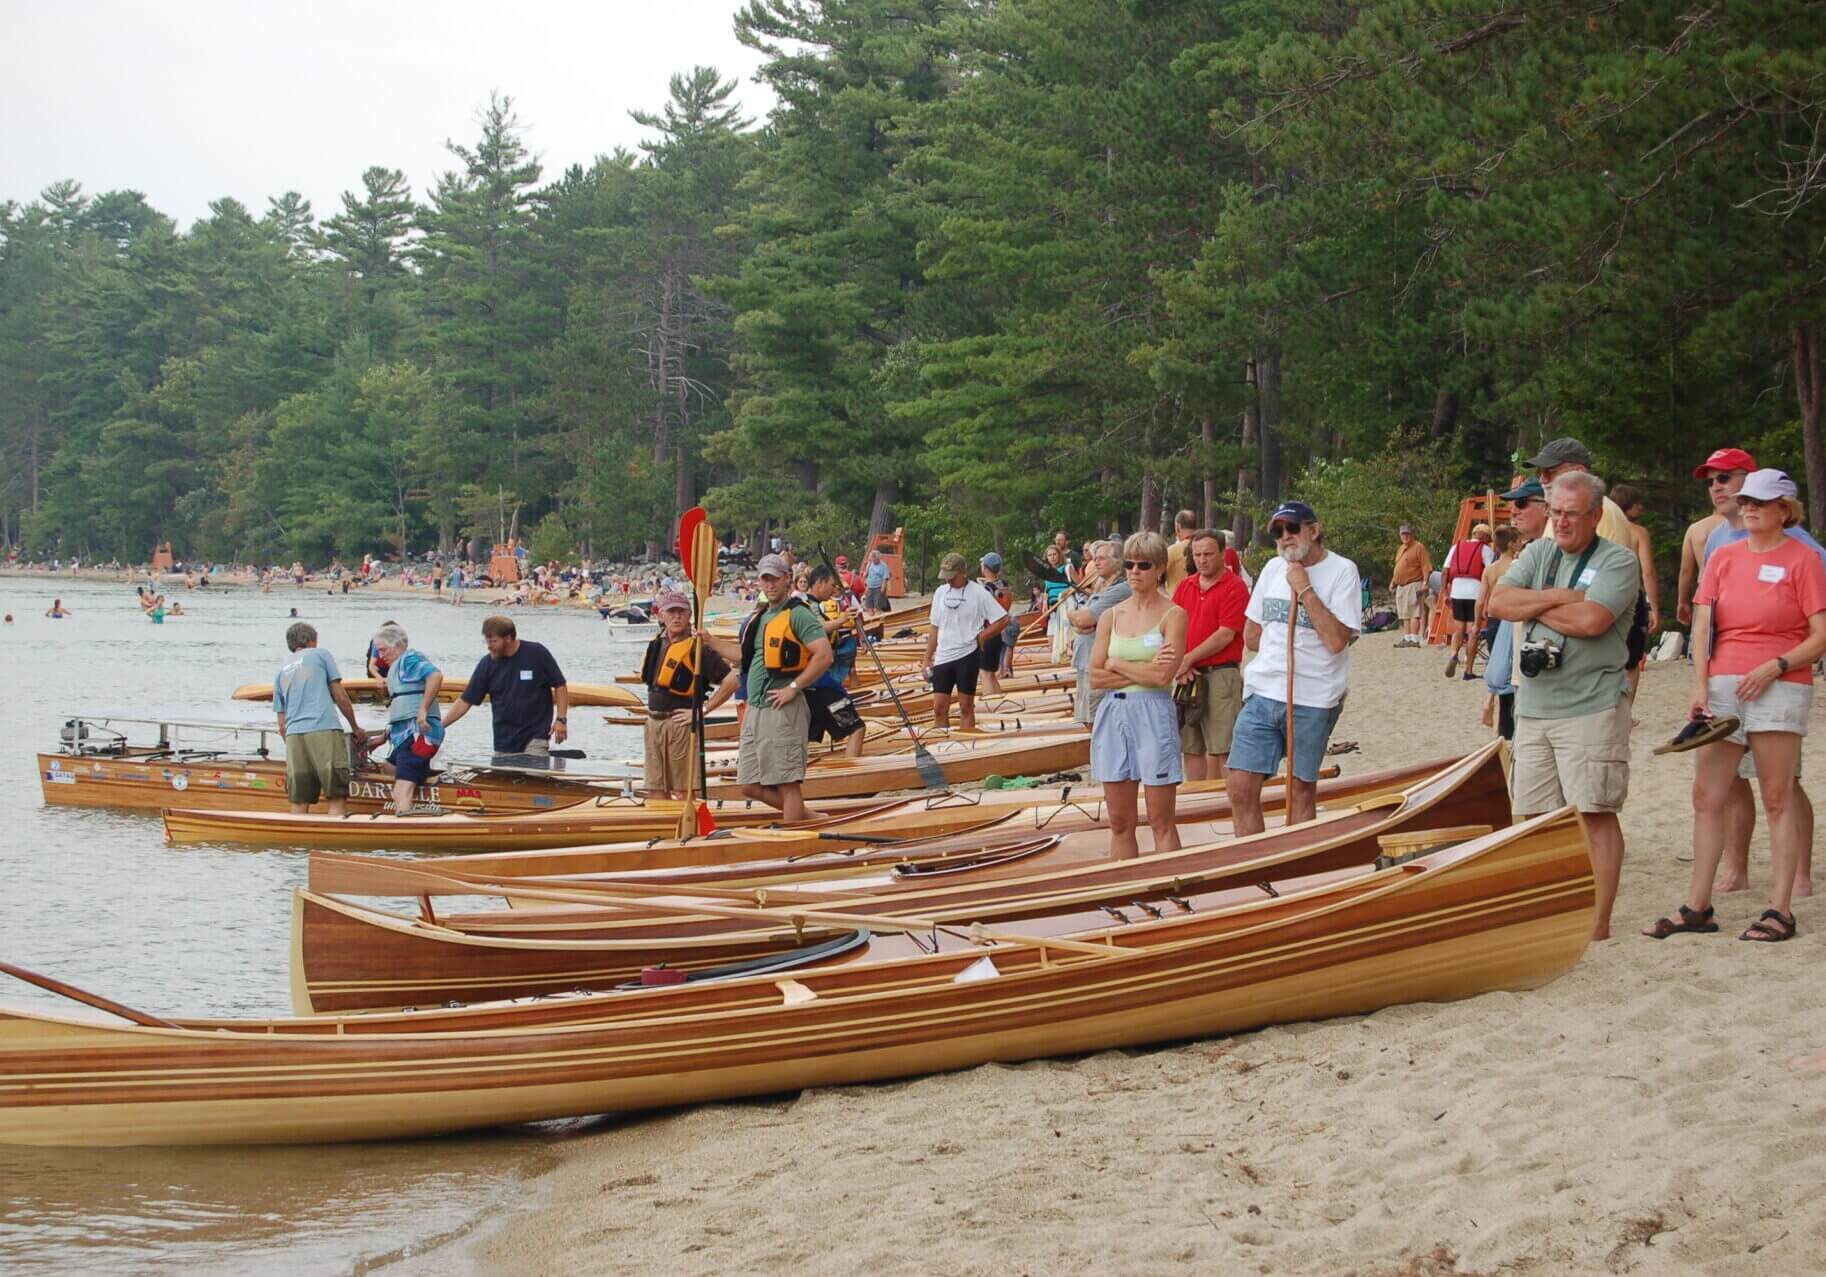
[190, 100]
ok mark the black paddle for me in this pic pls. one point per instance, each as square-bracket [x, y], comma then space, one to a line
[930, 773]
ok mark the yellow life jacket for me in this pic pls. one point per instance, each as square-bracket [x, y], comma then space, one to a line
[677, 671]
[781, 650]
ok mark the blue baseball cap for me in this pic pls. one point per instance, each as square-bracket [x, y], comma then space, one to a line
[992, 561]
[1530, 491]
[1297, 513]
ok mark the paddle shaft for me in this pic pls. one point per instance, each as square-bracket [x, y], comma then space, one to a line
[922, 758]
[1293, 634]
[84, 996]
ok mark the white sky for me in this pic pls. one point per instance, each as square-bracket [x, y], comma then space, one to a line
[190, 100]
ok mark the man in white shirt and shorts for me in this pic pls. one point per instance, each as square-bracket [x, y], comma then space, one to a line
[963, 614]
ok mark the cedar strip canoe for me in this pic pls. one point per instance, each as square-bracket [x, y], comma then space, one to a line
[615, 818]
[373, 691]
[944, 827]
[347, 957]
[1509, 911]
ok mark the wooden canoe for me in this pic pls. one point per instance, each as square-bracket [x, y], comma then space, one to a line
[373, 691]
[837, 776]
[1509, 911]
[348, 957]
[151, 780]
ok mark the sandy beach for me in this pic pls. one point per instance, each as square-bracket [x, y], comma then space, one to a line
[1638, 1115]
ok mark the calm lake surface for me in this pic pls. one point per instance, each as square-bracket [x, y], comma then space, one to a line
[96, 898]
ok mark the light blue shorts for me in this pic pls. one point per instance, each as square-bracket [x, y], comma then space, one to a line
[1136, 737]
[1260, 742]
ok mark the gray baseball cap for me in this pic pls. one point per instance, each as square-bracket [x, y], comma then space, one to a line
[1559, 452]
[772, 565]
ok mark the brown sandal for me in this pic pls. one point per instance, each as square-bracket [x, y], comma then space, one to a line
[1761, 932]
[1691, 921]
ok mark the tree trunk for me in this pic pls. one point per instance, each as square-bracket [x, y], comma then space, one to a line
[881, 518]
[1445, 415]
[683, 494]
[808, 475]
[1150, 501]
[1207, 433]
[1243, 519]
[1268, 393]
[1806, 343]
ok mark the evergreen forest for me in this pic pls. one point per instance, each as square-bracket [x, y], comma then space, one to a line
[986, 269]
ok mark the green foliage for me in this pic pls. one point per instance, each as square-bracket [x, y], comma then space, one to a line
[1364, 501]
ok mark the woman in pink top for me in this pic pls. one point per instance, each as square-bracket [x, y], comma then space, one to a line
[1759, 623]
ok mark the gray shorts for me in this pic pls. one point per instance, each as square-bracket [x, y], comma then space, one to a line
[1086, 699]
[1136, 737]
[774, 749]
[1581, 762]
[1782, 708]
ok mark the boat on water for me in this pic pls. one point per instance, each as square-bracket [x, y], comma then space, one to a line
[146, 764]
[619, 817]
[1511, 910]
[373, 691]
[349, 957]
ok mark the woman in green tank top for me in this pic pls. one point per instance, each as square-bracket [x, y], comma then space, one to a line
[1135, 737]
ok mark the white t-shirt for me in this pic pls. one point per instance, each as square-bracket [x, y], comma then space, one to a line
[1321, 676]
[1472, 587]
[959, 616]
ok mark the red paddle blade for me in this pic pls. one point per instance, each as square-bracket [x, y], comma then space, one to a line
[706, 823]
[687, 535]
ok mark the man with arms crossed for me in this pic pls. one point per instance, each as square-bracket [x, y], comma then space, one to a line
[1573, 597]
[1327, 592]
[1215, 600]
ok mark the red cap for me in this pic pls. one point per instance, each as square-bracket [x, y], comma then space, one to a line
[1726, 459]
[843, 560]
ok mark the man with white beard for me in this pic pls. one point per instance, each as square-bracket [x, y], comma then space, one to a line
[1325, 592]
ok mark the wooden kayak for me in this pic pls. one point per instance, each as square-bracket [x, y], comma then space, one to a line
[926, 830]
[1509, 911]
[373, 691]
[348, 957]
[838, 776]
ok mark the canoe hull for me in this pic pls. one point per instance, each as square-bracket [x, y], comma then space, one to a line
[1510, 912]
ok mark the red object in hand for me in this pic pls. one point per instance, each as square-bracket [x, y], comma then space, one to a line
[661, 975]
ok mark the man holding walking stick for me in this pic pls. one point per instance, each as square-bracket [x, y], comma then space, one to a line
[1315, 596]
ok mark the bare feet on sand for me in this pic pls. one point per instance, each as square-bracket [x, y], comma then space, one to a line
[1729, 882]
[1815, 1063]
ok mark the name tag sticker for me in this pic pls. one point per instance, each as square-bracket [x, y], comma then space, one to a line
[1150, 640]
[1587, 577]
[526, 676]
[1770, 573]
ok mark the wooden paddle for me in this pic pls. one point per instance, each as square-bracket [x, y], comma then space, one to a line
[1293, 634]
[85, 997]
[930, 773]
[697, 552]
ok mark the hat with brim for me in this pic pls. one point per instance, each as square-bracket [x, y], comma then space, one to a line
[1725, 460]
[671, 601]
[1296, 513]
[1560, 452]
[1769, 485]
[952, 564]
[1700, 731]
[772, 565]
[1530, 491]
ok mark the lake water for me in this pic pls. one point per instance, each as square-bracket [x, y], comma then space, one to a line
[97, 899]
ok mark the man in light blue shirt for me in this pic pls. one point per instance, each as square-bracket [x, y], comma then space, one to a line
[308, 695]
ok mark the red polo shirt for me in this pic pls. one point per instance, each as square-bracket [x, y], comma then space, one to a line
[1208, 611]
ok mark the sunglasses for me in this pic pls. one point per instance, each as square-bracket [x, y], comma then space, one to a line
[1712, 481]
[1279, 530]
[1752, 503]
[1136, 565]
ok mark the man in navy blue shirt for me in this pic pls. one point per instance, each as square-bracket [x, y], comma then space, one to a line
[525, 690]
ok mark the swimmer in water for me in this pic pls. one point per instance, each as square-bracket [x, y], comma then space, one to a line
[56, 611]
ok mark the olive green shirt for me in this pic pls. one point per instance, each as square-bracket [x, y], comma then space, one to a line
[759, 679]
[1589, 678]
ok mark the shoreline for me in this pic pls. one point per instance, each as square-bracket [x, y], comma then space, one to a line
[1638, 1112]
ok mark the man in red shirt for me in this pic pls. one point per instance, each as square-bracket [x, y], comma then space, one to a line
[1214, 601]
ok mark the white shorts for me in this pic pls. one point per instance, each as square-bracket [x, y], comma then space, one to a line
[1782, 708]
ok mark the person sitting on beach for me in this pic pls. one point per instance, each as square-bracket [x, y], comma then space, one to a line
[1409, 582]
[1759, 623]
[1573, 596]
[1135, 738]
[1324, 592]
[1464, 582]
[415, 725]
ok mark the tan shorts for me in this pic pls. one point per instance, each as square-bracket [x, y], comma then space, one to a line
[1411, 600]
[1581, 761]
[774, 750]
[1223, 702]
[671, 754]
[317, 765]
[1086, 699]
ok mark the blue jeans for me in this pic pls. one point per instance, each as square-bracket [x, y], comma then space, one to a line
[1259, 743]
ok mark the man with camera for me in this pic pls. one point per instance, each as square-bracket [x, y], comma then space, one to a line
[1572, 595]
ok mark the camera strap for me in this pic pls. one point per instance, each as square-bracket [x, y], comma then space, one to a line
[1553, 570]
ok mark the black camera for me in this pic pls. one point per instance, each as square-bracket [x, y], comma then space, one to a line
[1539, 655]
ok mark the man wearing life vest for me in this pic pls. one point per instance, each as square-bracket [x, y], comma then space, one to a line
[672, 674]
[784, 651]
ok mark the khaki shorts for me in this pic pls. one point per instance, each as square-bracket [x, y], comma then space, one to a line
[774, 749]
[1223, 702]
[671, 754]
[1411, 600]
[1581, 761]
[317, 765]
[1086, 699]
